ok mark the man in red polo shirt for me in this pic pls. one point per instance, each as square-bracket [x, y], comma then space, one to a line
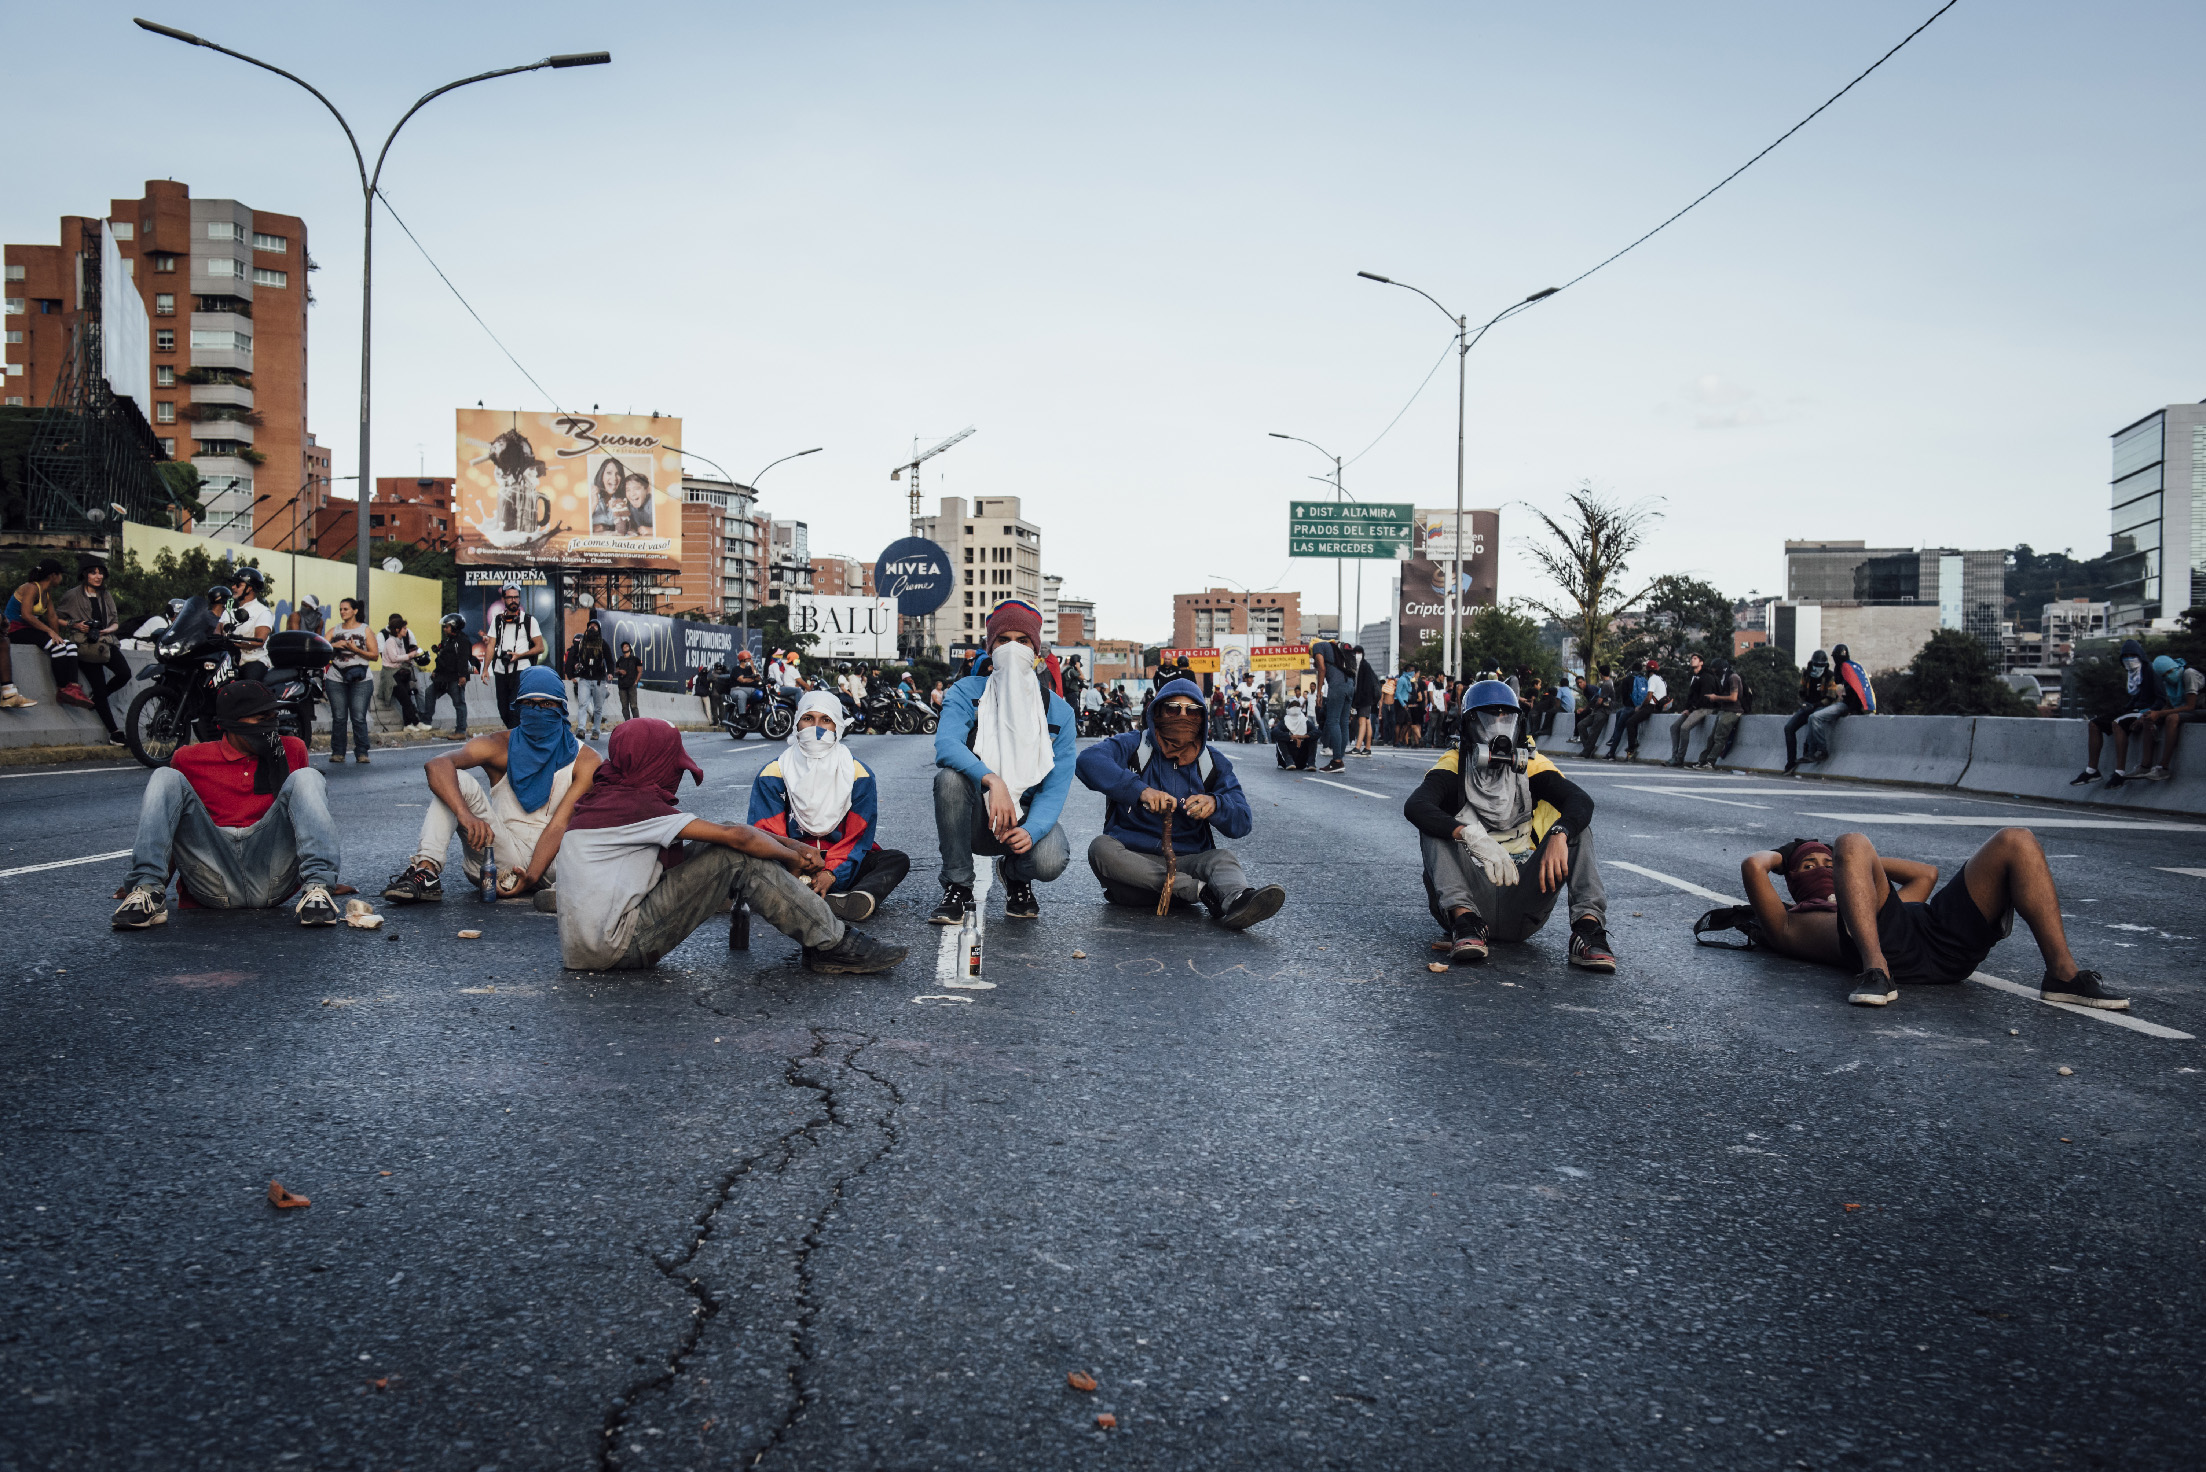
[242, 819]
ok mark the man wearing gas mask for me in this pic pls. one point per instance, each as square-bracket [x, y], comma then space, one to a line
[1504, 833]
[242, 820]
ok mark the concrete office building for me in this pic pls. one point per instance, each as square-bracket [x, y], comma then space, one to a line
[995, 554]
[1823, 572]
[225, 289]
[788, 559]
[1884, 603]
[2159, 516]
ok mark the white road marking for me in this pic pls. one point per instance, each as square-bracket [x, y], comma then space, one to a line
[949, 965]
[1673, 881]
[74, 772]
[2119, 1019]
[1343, 786]
[1819, 793]
[2163, 868]
[1695, 796]
[121, 853]
[1990, 820]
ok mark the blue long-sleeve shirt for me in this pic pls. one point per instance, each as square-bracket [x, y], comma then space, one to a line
[953, 747]
[1108, 767]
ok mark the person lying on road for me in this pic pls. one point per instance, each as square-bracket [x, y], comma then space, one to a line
[1877, 917]
[242, 819]
[1171, 774]
[1490, 810]
[632, 889]
[530, 768]
[821, 796]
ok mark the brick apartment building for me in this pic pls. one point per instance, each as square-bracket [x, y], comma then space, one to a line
[843, 576]
[723, 542]
[406, 508]
[225, 291]
[1199, 620]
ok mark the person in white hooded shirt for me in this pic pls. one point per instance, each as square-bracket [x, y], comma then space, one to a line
[819, 794]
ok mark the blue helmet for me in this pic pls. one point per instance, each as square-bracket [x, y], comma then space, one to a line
[1489, 692]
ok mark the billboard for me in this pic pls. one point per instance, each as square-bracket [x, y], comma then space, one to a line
[846, 627]
[568, 490]
[1272, 658]
[671, 649]
[1422, 614]
[1199, 661]
[916, 573]
[126, 342]
[1434, 534]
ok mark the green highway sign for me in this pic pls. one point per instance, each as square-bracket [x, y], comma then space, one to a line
[1376, 529]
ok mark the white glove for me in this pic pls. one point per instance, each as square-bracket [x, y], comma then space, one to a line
[1501, 870]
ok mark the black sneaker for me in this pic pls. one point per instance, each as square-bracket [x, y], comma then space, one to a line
[315, 907]
[1467, 941]
[416, 884]
[1337, 766]
[2085, 989]
[856, 954]
[2084, 778]
[1019, 902]
[1873, 989]
[1251, 906]
[956, 900]
[1589, 946]
[851, 904]
[141, 909]
[2116, 780]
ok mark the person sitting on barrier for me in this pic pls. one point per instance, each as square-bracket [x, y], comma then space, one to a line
[1725, 697]
[1649, 693]
[1697, 708]
[637, 874]
[820, 795]
[1852, 694]
[2141, 696]
[1877, 917]
[1504, 832]
[1005, 750]
[1171, 773]
[2180, 687]
[1818, 688]
[1296, 737]
[530, 768]
[242, 820]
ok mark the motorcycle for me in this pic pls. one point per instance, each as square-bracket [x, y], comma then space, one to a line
[773, 715]
[193, 659]
[914, 717]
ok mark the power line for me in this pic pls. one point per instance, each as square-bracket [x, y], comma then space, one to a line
[1413, 398]
[479, 322]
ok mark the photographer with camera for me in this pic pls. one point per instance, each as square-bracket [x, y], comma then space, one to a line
[516, 643]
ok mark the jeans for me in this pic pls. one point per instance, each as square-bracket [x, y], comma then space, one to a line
[741, 696]
[1627, 728]
[700, 887]
[294, 843]
[590, 698]
[348, 701]
[961, 827]
[1335, 723]
[1817, 748]
[1131, 877]
[1453, 882]
[457, 689]
[1591, 724]
[507, 686]
[627, 702]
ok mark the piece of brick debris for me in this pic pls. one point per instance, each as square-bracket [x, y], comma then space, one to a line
[1106, 1422]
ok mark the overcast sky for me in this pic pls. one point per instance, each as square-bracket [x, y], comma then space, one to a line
[1122, 240]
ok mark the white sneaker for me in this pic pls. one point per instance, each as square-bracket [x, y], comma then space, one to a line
[2157, 774]
[315, 907]
[143, 907]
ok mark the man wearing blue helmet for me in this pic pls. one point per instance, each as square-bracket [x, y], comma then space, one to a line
[1504, 832]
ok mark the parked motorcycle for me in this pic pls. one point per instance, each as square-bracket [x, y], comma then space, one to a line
[773, 715]
[193, 659]
[914, 717]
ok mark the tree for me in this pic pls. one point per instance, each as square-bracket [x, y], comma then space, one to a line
[1682, 616]
[1585, 556]
[1773, 677]
[1950, 676]
[181, 478]
[2035, 579]
[1497, 639]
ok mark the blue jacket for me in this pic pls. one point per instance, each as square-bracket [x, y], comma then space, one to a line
[844, 849]
[953, 745]
[1108, 767]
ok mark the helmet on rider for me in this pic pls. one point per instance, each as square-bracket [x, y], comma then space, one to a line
[218, 596]
[250, 577]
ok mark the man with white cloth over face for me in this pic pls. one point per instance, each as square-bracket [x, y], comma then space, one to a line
[1504, 833]
[1005, 747]
[820, 795]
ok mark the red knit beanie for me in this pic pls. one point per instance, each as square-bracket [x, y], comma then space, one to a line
[1015, 617]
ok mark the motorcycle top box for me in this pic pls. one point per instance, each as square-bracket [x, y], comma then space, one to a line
[299, 649]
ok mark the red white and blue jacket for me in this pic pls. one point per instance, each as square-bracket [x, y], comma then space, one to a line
[848, 845]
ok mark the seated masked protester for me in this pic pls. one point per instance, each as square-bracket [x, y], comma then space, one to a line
[1818, 688]
[637, 874]
[1005, 749]
[1296, 736]
[529, 768]
[1504, 832]
[1170, 773]
[1876, 916]
[2142, 698]
[820, 795]
[1852, 694]
[2183, 688]
[242, 820]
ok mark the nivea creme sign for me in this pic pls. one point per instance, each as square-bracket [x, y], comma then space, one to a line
[916, 573]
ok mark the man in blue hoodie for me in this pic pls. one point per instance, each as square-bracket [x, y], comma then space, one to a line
[1170, 773]
[1005, 747]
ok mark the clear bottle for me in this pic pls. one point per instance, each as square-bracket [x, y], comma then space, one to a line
[969, 937]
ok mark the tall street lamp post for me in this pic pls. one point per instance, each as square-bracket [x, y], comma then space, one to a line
[368, 185]
[1340, 612]
[1451, 654]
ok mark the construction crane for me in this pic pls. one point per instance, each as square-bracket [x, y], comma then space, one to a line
[918, 460]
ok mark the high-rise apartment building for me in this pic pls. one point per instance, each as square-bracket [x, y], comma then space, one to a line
[2159, 515]
[1200, 620]
[1823, 572]
[723, 542]
[1052, 586]
[995, 555]
[788, 559]
[225, 287]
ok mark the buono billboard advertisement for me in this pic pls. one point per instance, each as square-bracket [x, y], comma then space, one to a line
[568, 490]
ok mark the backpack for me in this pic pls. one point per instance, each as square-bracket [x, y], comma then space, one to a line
[1730, 917]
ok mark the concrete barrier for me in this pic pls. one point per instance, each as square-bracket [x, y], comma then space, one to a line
[50, 723]
[1931, 751]
[2024, 757]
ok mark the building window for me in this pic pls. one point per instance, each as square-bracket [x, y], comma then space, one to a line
[15, 273]
[969, 621]
[168, 448]
[276, 243]
[163, 263]
[222, 342]
[164, 376]
[164, 412]
[262, 276]
[123, 229]
[224, 266]
[15, 370]
[15, 334]
[222, 230]
[164, 304]
[15, 401]
[164, 340]
[15, 306]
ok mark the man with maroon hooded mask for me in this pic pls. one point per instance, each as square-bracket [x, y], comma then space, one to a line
[639, 874]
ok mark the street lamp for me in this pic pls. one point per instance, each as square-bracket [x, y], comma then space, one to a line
[1340, 619]
[1464, 340]
[368, 186]
[743, 614]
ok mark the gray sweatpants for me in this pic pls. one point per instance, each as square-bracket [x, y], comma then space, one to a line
[1453, 882]
[701, 886]
[1132, 877]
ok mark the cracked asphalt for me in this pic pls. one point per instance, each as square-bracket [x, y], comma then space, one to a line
[1291, 1198]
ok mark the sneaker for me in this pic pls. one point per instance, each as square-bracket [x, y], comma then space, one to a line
[1467, 941]
[2085, 989]
[141, 909]
[117, 738]
[14, 699]
[1873, 989]
[1792, 769]
[855, 904]
[2157, 774]
[1337, 766]
[315, 907]
[956, 900]
[74, 695]
[2116, 779]
[2085, 777]
[1019, 902]
[361, 758]
[1589, 946]
[416, 884]
[1251, 907]
[856, 954]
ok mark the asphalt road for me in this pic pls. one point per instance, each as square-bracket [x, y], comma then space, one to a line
[1291, 1198]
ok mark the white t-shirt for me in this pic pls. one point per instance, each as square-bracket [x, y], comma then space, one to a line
[252, 621]
[513, 634]
[1658, 689]
[604, 873]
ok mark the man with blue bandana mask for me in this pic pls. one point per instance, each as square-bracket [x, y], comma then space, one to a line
[530, 767]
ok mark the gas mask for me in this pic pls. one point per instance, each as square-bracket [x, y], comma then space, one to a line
[1495, 733]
